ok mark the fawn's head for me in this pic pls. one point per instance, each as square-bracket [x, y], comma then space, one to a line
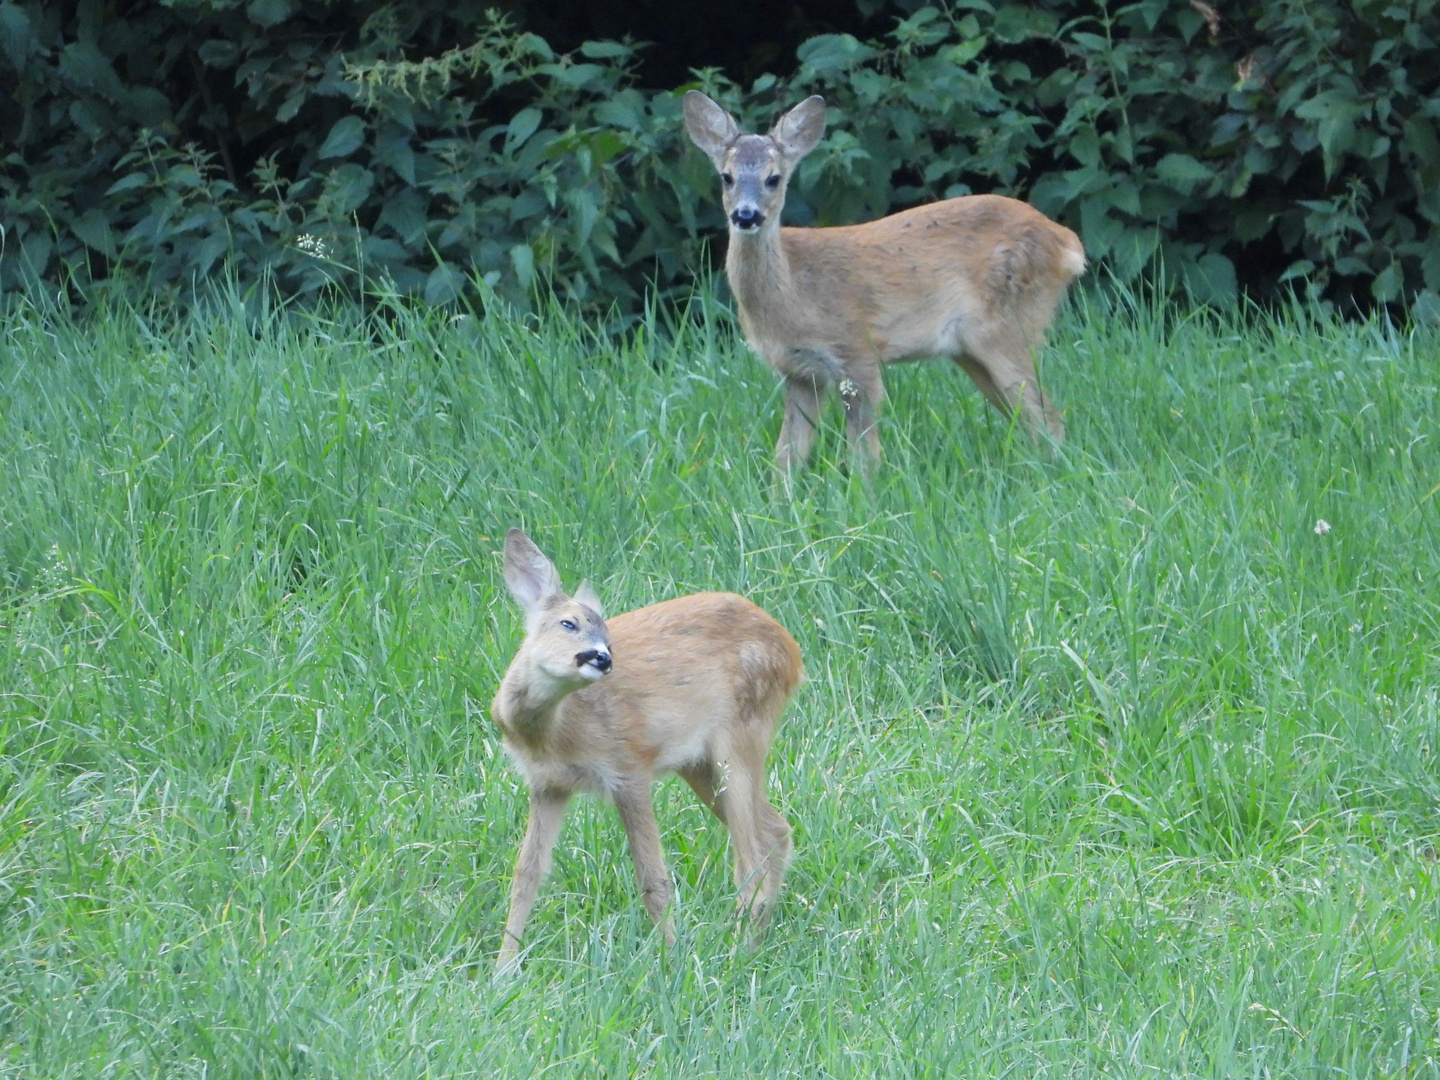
[754, 169]
[565, 637]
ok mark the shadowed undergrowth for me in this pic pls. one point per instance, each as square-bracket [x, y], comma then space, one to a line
[1112, 759]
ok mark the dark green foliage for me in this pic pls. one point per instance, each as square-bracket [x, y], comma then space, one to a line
[433, 146]
[1289, 140]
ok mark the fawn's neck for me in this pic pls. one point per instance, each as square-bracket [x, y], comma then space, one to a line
[525, 704]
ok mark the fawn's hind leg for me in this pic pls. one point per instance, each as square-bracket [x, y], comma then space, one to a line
[726, 789]
[760, 839]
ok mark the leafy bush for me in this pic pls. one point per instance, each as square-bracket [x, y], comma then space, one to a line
[1225, 147]
[1295, 140]
[395, 170]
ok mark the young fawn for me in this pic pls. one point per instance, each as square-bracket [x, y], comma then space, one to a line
[693, 685]
[976, 279]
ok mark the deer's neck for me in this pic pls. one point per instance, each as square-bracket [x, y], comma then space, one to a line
[759, 270]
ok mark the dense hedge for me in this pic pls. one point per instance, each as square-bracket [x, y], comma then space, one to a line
[431, 146]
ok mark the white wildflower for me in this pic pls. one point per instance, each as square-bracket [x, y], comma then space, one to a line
[55, 574]
[1321, 526]
[312, 245]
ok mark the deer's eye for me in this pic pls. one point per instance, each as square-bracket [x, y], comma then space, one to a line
[569, 624]
[772, 182]
[728, 178]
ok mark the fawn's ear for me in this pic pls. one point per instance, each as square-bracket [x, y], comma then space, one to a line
[711, 128]
[799, 131]
[530, 576]
[586, 595]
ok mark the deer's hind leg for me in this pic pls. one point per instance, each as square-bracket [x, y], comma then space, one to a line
[1003, 368]
[861, 392]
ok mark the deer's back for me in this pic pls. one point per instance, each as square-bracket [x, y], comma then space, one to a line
[906, 281]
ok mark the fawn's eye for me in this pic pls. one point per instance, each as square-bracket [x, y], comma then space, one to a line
[728, 178]
[772, 182]
[569, 624]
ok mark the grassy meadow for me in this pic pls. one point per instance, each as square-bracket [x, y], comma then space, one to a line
[1112, 760]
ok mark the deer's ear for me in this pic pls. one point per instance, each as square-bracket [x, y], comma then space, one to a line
[587, 596]
[799, 131]
[711, 128]
[529, 575]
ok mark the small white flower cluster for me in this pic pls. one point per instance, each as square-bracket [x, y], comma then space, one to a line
[1321, 527]
[312, 245]
[55, 574]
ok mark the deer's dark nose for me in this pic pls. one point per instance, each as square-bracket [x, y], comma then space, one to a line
[599, 657]
[747, 217]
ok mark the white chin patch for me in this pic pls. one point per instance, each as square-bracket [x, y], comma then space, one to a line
[590, 672]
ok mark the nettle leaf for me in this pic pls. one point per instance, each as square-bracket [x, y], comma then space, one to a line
[618, 114]
[344, 138]
[93, 229]
[579, 75]
[405, 213]
[1426, 308]
[1015, 22]
[15, 32]
[1183, 172]
[127, 183]
[208, 250]
[1100, 233]
[1051, 193]
[1085, 145]
[82, 62]
[1335, 113]
[1300, 268]
[522, 259]
[1388, 283]
[1430, 266]
[1420, 140]
[522, 125]
[383, 250]
[268, 13]
[347, 188]
[218, 53]
[291, 105]
[1212, 280]
[606, 50]
[833, 52]
[1132, 253]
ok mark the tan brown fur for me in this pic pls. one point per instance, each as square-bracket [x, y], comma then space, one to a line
[696, 686]
[976, 279]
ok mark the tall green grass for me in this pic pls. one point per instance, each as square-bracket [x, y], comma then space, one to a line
[1109, 761]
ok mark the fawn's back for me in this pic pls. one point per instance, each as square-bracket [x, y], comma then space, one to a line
[694, 678]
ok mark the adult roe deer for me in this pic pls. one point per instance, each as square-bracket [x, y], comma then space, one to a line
[976, 279]
[693, 685]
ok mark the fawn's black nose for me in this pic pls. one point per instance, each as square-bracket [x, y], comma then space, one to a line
[598, 657]
[747, 217]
